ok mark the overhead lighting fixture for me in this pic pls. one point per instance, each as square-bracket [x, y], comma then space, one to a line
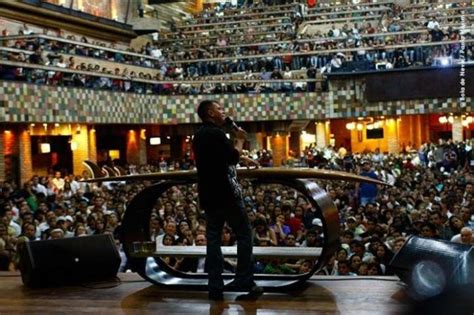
[155, 140]
[351, 126]
[45, 147]
[467, 121]
[74, 145]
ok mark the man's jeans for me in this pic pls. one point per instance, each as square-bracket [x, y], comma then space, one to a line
[238, 221]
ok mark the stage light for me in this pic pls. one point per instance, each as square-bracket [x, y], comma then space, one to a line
[360, 126]
[45, 147]
[74, 146]
[155, 140]
[444, 61]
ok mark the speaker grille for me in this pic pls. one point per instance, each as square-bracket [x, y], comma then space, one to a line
[69, 260]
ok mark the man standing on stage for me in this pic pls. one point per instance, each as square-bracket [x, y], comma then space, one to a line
[220, 196]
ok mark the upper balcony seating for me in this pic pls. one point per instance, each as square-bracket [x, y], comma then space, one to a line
[95, 66]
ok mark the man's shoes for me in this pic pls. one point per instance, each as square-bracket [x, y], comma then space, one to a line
[253, 294]
[253, 290]
[216, 296]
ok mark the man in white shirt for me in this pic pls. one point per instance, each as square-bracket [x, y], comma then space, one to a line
[37, 187]
[7, 217]
[58, 182]
[335, 31]
[201, 241]
[464, 237]
[432, 23]
[156, 52]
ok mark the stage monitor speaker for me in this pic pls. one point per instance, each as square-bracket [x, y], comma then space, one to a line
[76, 260]
[431, 267]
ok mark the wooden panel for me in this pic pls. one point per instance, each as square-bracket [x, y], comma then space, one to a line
[328, 295]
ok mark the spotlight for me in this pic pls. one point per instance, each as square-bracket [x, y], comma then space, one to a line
[155, 140]
[45, 147]
[444, 61]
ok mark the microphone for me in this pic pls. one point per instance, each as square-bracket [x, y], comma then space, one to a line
[232, 123]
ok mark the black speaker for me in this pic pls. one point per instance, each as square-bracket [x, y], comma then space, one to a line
[431, 267]
[75, 260]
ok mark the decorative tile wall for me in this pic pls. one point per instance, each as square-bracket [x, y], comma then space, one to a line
[21, 103]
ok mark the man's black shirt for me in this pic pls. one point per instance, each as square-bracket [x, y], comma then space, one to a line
[216, 158]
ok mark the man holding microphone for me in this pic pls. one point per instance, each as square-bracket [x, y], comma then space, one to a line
[220, 196]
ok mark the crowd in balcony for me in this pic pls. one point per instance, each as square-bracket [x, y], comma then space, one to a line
[432, 196]
[237, 52]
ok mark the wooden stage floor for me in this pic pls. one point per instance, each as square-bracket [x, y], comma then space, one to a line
[328, 295]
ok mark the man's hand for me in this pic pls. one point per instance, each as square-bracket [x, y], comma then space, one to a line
[249, 162]
[240, 134]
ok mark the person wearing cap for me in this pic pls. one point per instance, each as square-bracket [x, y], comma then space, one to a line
[56, 234]
[367, 192]
[317, 225]
[358, 248]
[64, 225]
[354, 227]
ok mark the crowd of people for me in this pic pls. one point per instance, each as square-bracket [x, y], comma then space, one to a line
[432, 196]
[256, 52]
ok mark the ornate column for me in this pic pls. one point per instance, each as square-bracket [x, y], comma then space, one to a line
[25, 157]
[457, 129]
[136, 147]
[279, 147]
[391, 128]
[321, 134]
